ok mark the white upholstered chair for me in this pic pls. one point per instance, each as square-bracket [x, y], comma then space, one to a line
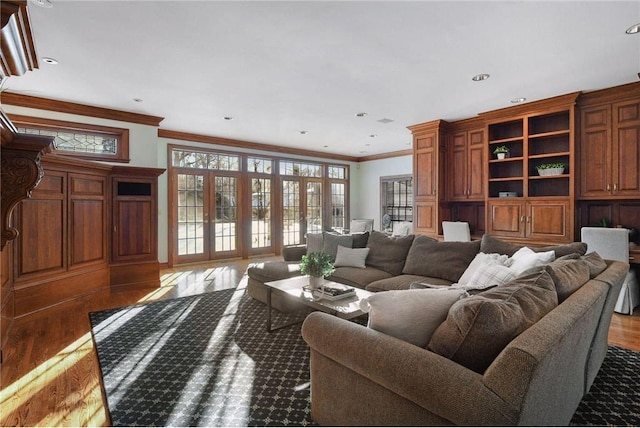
[456, 231]
[359, 225]
[613, 244]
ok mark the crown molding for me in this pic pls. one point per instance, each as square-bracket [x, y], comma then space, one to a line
[18, 53]
[79, 109]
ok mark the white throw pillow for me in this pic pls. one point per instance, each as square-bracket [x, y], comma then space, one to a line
[489, 275]
[358, 226]
[479, 260]
[410, 315]
[351, 257]
[525, 258]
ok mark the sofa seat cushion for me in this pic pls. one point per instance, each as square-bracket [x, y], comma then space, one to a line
[388, 253]
[479, 327]
[410, 315]
[447, 260]
[490, 244]
[358, 277]
[273, 270]
[403, 282]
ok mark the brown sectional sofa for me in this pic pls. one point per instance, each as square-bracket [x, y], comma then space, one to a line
[538, 376]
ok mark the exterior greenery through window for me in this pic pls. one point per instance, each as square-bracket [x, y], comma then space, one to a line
[396, 198]
[227, 203]
[79, 140]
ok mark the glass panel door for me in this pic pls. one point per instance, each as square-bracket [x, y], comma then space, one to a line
[291, 213]
[226, 215]
[314, 207]
[260, 213]
[191, 219]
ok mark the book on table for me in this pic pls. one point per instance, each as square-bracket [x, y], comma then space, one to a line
[336, 292]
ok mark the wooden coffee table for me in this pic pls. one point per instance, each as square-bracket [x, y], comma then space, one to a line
[346, 308]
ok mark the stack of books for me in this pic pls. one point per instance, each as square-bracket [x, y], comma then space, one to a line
[335, 292]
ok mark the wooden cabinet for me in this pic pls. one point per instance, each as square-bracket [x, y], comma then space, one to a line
[523, 201]
[466, 166]
[539, 220]
[610, 150]
[134, 226]
[428, 176]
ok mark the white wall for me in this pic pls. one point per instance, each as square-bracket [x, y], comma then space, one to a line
[365, 185]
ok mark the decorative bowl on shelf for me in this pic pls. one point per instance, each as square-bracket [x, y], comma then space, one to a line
[551, 169]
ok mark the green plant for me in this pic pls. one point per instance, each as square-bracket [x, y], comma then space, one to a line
[317, 264]
[501, 149]
[552, 165]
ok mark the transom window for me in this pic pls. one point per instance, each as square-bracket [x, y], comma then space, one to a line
[300, 169]
[205, 160]
[79, 140]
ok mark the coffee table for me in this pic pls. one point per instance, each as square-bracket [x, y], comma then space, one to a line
[346, 308]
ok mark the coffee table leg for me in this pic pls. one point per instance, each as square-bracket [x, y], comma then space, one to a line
[269, 309]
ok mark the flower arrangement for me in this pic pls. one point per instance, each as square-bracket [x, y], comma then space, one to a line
[317, 265]
[555, 168]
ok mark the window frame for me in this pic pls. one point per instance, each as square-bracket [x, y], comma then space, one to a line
[121, 135]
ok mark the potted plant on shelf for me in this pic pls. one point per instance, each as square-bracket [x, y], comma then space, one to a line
[501, 152]
[555, 168]
[317, 266]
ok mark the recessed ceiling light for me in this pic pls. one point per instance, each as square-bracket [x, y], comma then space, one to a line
[49, 60]
[303, 132]
[363, 114]
[228, 118]
[373, 135]
[363, 151]
[385, 120]
[43, 3]
[138, 100]
[634, 29]
[325, 146]
[480, 77]
[518, 100]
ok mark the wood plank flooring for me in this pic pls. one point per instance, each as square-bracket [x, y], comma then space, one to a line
[50, 375]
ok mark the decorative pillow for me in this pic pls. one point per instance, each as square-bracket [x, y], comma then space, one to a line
[360, 240]
[564, 249]
[479, 260]
[358, 226]
[402, 228]
[525, 258]
[447, 260]
[479, 327]
[568, 276]
[489, 276]
[314, 242]
[351, 257]
[388, 253]
[331, 241]
[410, 315]
[596, 264]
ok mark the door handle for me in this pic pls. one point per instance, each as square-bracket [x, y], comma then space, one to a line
[615, 187]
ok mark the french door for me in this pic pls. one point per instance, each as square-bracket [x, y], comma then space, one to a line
[207, 216]
[301, 209]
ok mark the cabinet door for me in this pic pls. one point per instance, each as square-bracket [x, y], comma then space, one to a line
[626, 149]
[426, 217]
[549, 221]
[457, 175]
[595, 152]
[426, 165]
[475, 165]
[506, 218]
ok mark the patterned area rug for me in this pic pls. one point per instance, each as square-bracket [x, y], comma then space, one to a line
[207, 360]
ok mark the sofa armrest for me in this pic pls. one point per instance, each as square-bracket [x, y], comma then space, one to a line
[294, 253]
[440, 386]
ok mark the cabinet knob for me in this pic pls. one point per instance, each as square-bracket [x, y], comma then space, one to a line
[608, 187]
[521, 219]
[615, 187]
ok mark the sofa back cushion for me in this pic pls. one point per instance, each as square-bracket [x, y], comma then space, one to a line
[447, 260]
[568, 276]
[491, 244]
[479, 327]
[331, 241]
[388, 253]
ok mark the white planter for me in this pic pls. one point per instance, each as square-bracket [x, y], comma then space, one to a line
[315, 282]
[501, 155]
[551, 171]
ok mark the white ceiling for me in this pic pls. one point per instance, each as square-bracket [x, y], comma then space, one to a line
[282, 67]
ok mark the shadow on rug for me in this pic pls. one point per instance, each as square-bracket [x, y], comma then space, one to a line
[207, 360]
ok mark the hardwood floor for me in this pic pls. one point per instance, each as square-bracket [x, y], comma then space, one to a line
[50, 375]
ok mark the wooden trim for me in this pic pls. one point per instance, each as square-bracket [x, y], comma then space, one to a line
[532, 108]
[18, 54]
[408, 152]
[79, 109]
[609, 95]
[433, 125]
[198, 138]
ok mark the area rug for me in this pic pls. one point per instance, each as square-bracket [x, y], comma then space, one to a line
[207, 360]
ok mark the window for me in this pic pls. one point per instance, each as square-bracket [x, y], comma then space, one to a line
[300, 169]
[397, 200]
[83, 141]
[338, 184]
[205, 160]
